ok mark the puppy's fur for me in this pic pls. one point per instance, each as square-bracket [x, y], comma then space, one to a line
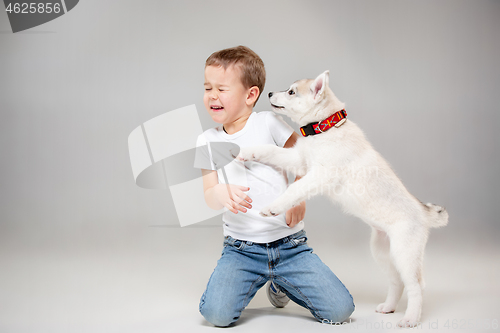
[342, 164]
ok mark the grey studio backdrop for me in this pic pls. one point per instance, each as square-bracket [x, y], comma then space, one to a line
[421, 78]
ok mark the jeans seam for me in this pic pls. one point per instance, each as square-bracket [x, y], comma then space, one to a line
[307, 301]
[249, 291]
[204, 295]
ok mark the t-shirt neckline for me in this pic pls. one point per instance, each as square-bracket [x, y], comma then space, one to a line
[237, 134]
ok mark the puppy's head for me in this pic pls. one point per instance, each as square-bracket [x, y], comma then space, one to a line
[307, 101]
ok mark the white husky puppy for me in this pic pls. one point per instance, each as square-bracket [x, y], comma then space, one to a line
[337, 160]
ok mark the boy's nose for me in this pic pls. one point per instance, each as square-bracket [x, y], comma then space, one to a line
[213, 94]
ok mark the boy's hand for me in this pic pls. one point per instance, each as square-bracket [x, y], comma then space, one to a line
[295, 214]
[233, 197]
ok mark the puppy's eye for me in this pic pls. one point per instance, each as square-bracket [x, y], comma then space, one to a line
[291, 92]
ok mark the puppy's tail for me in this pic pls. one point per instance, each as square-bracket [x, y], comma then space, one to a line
[438, 216]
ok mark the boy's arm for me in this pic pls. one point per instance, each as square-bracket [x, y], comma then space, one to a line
[295, 214]
[210, 179]
[218, 195]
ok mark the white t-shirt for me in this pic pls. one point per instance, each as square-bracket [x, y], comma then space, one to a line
[266, 183]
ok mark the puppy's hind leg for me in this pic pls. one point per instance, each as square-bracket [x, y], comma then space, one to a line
[380, 246]
[407, 251]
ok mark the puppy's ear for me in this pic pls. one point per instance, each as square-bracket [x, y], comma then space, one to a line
[319, 84]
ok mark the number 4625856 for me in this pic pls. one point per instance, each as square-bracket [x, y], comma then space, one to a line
[32, 8]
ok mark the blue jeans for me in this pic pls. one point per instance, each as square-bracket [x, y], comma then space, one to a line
[245, 267]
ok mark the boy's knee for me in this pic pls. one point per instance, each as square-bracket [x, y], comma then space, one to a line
[339, 314]
[220, 317]
[343, 316]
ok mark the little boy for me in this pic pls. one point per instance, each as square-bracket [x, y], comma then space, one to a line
[257, 249]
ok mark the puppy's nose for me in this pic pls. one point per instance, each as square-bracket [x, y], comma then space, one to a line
[270, 94]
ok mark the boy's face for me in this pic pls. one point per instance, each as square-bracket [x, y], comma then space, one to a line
[225, 98]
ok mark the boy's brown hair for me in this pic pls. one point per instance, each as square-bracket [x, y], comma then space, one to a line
[250, 64]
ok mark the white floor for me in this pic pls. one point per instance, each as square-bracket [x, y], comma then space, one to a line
[150, 279]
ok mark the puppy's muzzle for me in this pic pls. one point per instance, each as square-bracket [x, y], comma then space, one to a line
[274, 105]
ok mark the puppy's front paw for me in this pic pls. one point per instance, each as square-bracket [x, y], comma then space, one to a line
[246, 154]
[271, 211]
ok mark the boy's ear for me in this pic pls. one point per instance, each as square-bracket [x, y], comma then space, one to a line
[319, 84]
[253, 95]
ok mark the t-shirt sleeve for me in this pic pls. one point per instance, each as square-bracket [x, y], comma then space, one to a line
[278, 128]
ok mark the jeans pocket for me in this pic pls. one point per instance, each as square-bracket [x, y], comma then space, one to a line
[239, 245]
[300, 239]
[235, 243]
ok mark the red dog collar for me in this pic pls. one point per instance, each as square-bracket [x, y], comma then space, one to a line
[337, 119]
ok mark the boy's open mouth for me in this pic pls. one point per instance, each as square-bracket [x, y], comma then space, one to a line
[216, 108]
